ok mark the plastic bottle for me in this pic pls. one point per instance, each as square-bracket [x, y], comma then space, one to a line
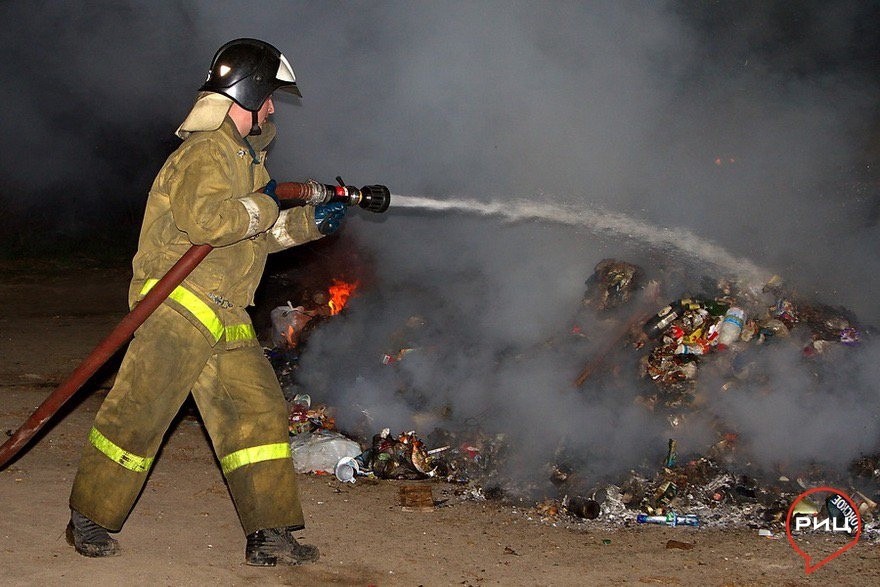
[731, 327]
[670, 519]
[686, 520]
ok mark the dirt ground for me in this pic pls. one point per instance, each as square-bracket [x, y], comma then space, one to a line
[184, 530]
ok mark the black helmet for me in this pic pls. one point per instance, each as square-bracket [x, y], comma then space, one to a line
[248, 71]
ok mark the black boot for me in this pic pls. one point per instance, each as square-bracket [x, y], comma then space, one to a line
[89, 538]
[266, 548]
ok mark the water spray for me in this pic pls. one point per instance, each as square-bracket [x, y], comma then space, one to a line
[680, 240]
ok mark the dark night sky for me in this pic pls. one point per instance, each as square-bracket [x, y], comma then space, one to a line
[753, 125]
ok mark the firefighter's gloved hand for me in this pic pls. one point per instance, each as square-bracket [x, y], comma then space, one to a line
[269, 190]
[329, 216]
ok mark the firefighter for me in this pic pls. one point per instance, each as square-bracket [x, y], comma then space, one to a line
[213, 189]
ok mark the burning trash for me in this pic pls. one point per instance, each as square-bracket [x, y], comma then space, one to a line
[405, 340]
[340, 291]
[715, 335]
[288, 324]
[292, 325]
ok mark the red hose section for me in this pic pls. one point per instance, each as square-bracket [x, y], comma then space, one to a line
[291, 190]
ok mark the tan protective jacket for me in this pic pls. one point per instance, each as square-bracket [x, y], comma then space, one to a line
[208, 192]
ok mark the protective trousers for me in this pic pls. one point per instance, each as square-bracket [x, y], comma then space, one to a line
[242, 407]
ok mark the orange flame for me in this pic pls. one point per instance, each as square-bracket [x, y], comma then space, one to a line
[340, 291]
[290, 335]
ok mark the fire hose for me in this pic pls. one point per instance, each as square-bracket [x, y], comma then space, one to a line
[374, 198]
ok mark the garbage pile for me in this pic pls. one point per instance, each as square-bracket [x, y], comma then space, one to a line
[684, 336]
[717, 332]
[720, 333]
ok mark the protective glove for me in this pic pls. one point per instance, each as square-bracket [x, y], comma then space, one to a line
[269, 190]
[329, 216]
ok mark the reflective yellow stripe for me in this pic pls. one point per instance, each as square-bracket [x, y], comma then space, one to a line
[254, 454]
[204, 314]
[130, 461]
[240, 332]
[202, 311]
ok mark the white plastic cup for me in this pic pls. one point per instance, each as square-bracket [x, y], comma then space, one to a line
[347, 469]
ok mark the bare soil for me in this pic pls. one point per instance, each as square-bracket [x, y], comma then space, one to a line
[184, 530]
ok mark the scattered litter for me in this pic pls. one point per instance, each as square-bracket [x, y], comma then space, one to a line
[303, 418]
[400, 457]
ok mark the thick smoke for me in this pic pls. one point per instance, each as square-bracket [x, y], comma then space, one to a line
[748, 136]
[745, 124]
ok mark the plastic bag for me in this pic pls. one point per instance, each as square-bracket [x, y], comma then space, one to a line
[320, 450]
[287, 324]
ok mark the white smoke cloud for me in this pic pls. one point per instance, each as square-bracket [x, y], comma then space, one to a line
[616, 108]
